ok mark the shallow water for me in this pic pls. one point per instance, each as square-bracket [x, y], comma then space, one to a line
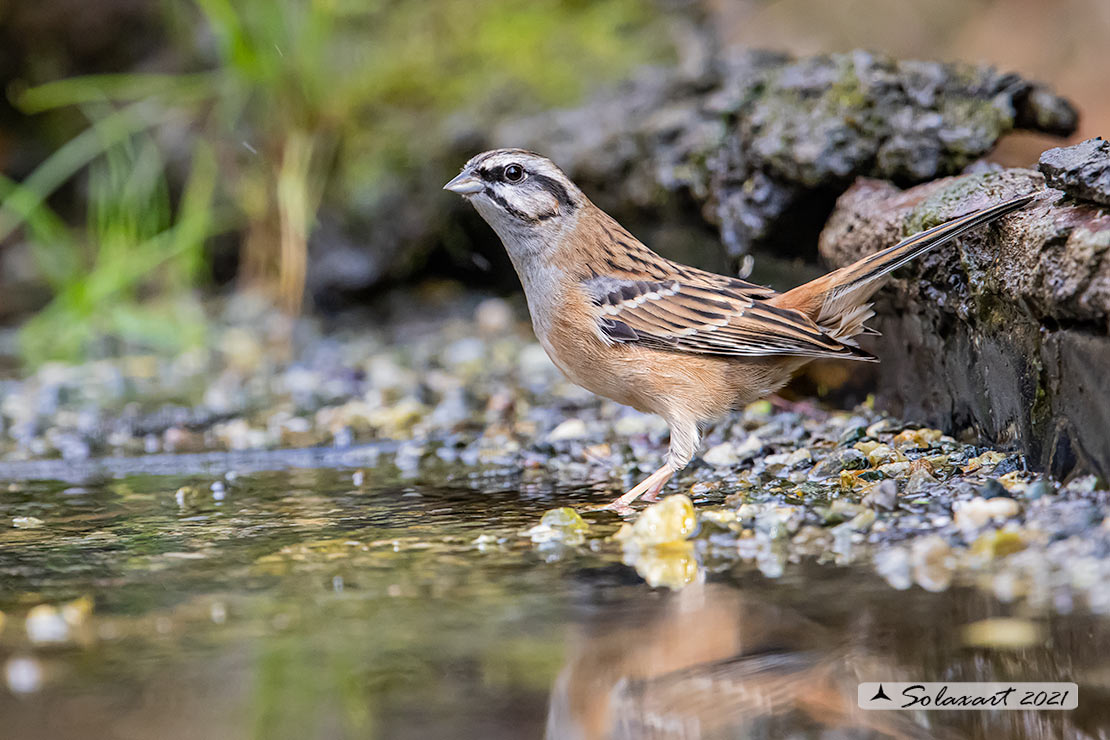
[333, 604]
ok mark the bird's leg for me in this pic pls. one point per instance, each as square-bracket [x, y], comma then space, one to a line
[649, 486]
[684, 440]
[652, 495]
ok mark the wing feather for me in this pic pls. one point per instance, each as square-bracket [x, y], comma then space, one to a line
[724, 317]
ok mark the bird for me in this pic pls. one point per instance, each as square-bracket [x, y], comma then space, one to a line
[662, 337]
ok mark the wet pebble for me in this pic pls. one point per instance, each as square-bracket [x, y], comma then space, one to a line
[671, 520]
[774, 520]
[999, 544]
[852, 435]
[882, 495]
[933, 563]
[1038, 489]
[494, 316]
[847, 459]
[722, 455]
[571, 429]
[894, 565]
[978, 512]
[895, 469]
[1064, 519]
[564, 526]
[881, 454]
[920, 481]
[993, 489]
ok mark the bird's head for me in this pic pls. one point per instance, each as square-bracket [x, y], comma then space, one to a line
[525, 197]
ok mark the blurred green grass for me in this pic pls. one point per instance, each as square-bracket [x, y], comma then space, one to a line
[274, 108]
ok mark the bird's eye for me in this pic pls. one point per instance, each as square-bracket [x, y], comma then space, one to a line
[514, 173]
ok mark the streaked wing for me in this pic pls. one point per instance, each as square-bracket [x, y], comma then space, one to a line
[722, 317]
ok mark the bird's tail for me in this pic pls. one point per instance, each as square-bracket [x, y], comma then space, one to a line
[838, 302]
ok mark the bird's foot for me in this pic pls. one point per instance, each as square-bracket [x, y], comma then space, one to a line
[621, 510]
[649, 488]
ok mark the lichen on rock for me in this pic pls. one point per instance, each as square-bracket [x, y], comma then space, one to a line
[763, 142]
[1002, 335]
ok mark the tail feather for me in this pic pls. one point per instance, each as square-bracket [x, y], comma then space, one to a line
[840, 298]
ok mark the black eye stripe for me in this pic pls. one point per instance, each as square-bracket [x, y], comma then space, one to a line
[506, 192]
[491, 174]
[515, 212]
[498, 174]
[556, 188]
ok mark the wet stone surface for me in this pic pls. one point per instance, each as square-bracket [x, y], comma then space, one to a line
[1001, 335]
[1082, 171]
[762, 143]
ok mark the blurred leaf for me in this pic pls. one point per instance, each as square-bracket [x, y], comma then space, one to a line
[55, 247]
[137, 244]
[119, 87]
[195, 220]
[71, 158]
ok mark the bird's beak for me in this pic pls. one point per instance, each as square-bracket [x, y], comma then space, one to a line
[465, 184]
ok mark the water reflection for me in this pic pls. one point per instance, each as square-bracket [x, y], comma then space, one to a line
[712, 662]
[745, 657]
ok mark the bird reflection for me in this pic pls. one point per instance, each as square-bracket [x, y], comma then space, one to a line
[708, 662]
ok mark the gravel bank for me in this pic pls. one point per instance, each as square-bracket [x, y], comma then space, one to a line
[468, 397]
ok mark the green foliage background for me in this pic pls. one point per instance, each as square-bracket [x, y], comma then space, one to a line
[275, 106]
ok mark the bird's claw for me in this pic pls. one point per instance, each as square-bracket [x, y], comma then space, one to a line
[614, 506]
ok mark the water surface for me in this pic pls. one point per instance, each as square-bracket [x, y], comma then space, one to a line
[342, 604]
